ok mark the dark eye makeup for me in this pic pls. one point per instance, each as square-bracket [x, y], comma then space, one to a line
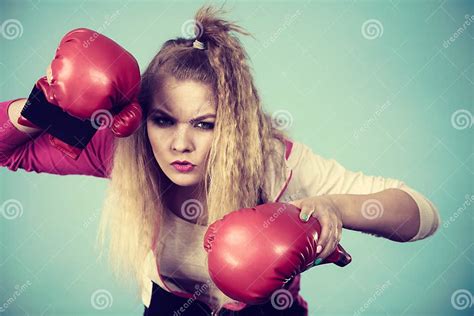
[164, 122]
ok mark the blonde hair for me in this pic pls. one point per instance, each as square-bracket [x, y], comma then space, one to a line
[245, 145]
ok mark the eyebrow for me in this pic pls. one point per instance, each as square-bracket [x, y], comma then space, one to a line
[199, 118]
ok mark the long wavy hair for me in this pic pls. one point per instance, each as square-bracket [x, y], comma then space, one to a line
[245, 147]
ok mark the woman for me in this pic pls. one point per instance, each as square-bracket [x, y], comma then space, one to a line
[205, 147]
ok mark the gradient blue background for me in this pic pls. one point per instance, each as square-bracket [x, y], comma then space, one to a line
[312, 60]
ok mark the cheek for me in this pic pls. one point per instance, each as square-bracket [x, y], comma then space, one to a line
[155, 137]
[205, 144]
[208, 142]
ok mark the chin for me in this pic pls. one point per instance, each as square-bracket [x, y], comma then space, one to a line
[183, 180]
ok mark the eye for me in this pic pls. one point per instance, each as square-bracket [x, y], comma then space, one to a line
[205, 125]
[161, 121]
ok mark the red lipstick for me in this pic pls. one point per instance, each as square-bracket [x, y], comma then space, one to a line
[183, 165]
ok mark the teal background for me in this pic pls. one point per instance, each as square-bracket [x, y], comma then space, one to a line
[312, 60]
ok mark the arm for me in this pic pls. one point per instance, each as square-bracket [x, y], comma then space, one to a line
[29, 149]
[391, 213]
[14, 111]
[402, 213]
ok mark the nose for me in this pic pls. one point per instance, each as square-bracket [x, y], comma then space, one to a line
[181, 140]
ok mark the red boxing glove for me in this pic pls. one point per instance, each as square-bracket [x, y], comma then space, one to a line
[252, 252]
[94, 81]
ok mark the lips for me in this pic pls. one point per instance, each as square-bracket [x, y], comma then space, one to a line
[183, 165]
[182, 162]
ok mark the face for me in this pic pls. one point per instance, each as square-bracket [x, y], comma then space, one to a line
[180, 128]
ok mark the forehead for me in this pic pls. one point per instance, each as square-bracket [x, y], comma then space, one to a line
[187, 97]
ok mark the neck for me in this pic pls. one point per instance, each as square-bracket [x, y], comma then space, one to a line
[176, 196]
